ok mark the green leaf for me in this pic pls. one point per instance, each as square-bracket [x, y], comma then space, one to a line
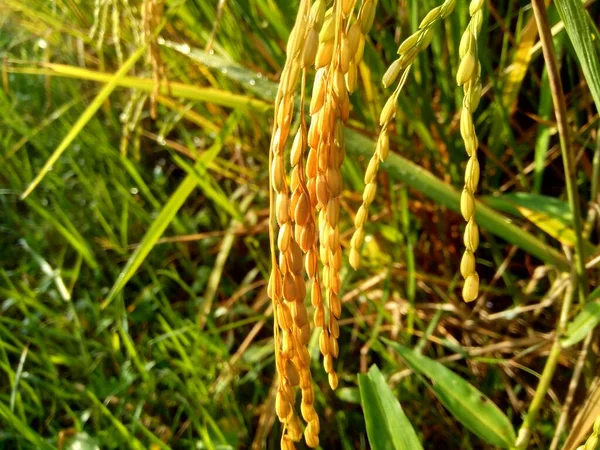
[577, 24]
[71, 235]
[152, 235]
[549, 214]
[174, 89]
[466, 403]
[215, 193]
[387, 425]
[398, 168]
[510, 203]
[585, 321]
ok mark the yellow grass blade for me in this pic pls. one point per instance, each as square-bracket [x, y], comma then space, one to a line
[174, 89]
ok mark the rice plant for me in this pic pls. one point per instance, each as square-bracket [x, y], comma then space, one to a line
[247, 224]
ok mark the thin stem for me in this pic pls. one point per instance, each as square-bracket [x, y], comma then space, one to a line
[216, 23]
[560, 111]
[546, 378]
[596, 170]
[562, 421]
[595, 191]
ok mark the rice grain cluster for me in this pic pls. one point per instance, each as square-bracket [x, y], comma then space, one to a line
[305, 194]
[306, 210]
[407, 53]
[469, 77]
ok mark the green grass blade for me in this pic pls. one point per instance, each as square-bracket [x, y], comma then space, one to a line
[119, 427]
[85, 118]
[585, 321]
[577, 24]
[169, 211]
[175, 89]
[466, 403]
[549, 214]
[377, 429]
[152, 235]
[384, 415]
[511, 202]
[72, 236]
[200, 174]
[23, 429]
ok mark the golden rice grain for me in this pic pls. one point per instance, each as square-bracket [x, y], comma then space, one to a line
[334, 41]
[287, 283]
[468, 76]
[286, 443]
[407, 51]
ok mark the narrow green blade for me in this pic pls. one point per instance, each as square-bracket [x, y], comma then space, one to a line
[384, 416]
[549, 214]
[584, 322]
[577, 24]
[169, 210]
[466, 403]
[24, 430]
[152, 235]
[377, 430]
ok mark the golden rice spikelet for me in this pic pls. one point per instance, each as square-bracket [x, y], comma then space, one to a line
[305, 235]
[408, 51]
[592, 442]
[290, 211]
[353, 42]
[333, 41]
[468, 76]
[341, 45]
[328, 181]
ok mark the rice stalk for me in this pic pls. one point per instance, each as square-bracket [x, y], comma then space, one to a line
[287, 287]
[407, 53]
[307, 211]
[339, 49]
[592, 442]
[469, 76]
[151, 16]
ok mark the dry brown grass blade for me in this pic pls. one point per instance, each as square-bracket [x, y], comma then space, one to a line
[585, 418]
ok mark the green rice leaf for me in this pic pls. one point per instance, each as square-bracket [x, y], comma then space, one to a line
[577, 24]
[175, 89]
[549, 214]
[387, 425]
[584, 322]
[466, 403]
